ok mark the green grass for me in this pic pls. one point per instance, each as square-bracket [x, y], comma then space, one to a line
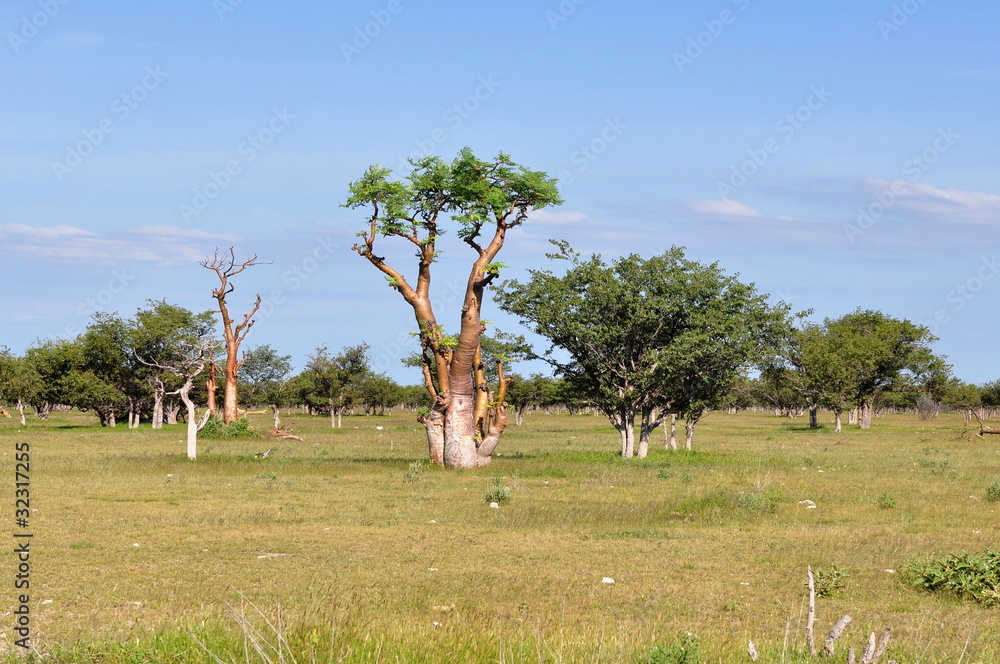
[333, 540]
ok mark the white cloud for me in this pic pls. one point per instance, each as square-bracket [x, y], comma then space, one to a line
[42, 231]
[949, 205]
[559, 217]
[160, 245]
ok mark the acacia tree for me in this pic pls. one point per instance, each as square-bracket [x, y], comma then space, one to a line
[335, 380]
[20, 383]
[665, 333]
[486, 199]
[226, 267]
[264, 377]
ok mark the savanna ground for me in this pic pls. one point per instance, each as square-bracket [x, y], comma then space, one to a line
[354, 553]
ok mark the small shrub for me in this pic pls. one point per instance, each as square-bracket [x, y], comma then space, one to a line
[829, 582]
[216, 429]
[497, 492]
[992, 492]
[885, 501]
[975, 577]
[414, 472]
[683, 651]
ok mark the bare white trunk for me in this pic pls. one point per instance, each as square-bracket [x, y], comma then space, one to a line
[865, 416]
[434, 426]
[460, 434]
[276, 413]
[20, 410]
[689, 434]
[172, 411]
[192, 420]
[158, 408]
[811, 616]
[852, 416]
[838, 427]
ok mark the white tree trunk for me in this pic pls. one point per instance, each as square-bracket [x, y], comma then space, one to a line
[434, 426]
[276, 413]
[158, 407]
[672, 440]
[460, 434]
[689, 433]
[172, 411]
[192, 419]
[20, 409]
[837, 414]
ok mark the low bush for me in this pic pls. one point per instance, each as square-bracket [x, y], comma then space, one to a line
[968, 576]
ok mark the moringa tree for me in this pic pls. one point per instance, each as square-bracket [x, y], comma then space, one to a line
[485, 199]
[226, 267]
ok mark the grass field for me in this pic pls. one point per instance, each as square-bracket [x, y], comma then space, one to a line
[341, 548]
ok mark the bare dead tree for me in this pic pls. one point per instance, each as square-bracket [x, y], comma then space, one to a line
[226, 267]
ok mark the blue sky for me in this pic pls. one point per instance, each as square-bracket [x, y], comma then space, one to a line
[836, 154]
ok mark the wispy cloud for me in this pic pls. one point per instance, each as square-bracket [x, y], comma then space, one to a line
[945, 206]
[70, 39]
[160, 245]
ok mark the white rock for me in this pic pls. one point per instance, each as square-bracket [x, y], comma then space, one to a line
[432, 569]
[495, 506]
[607, 579]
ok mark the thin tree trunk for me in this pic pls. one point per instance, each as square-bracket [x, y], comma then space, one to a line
[813, 417]
[689, 433]
[672, 439]
[192, 419]
[275, 412]
[20, 410]
[212, 385]
[837, 414]
[865, 416]
[852, 416]
[158, 392]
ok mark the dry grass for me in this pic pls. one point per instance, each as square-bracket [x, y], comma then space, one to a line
[329, 537]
